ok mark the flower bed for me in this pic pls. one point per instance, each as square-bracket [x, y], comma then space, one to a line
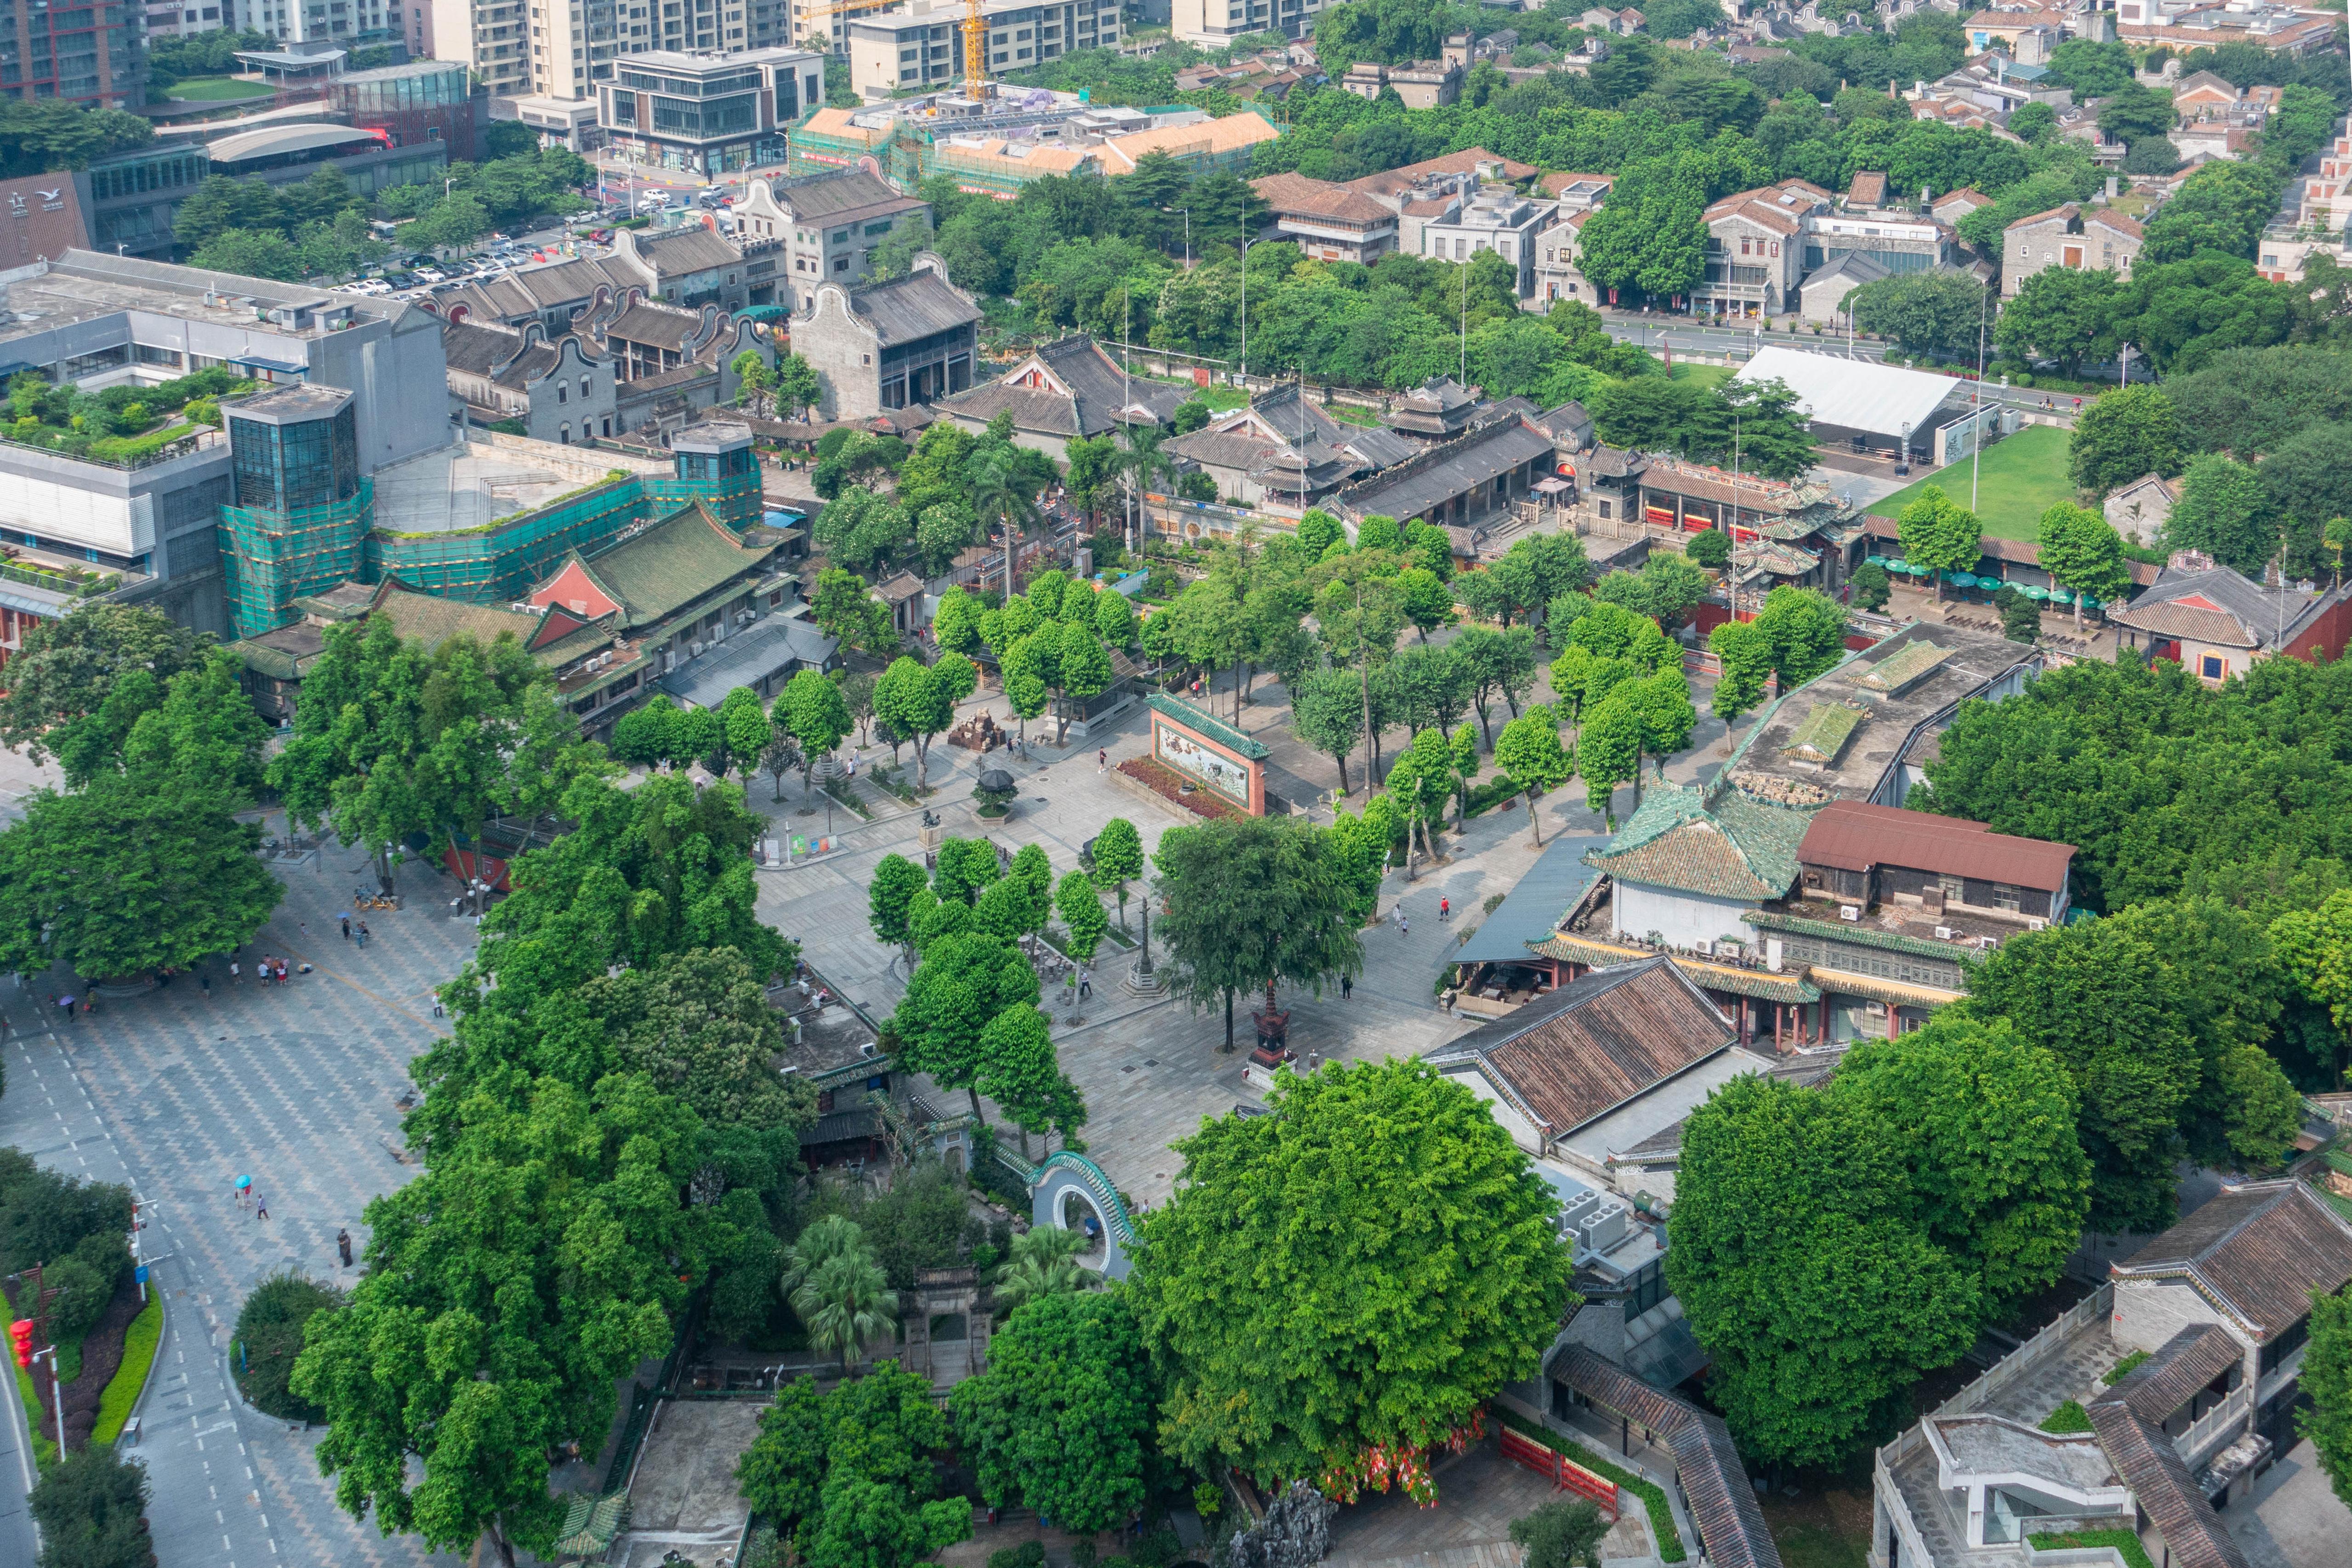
[1654, 1497]
[2126, 1544]
[120, 1396]
[1164, 781]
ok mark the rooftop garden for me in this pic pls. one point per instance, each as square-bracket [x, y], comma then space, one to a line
[124, 425]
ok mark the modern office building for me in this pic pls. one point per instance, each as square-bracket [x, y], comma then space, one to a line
[709, 112]
[94, 321]
[422, 101]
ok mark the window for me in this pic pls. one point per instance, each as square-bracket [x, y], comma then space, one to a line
[567, 434]
[562, 392]
[583, 386]
[2212, 666]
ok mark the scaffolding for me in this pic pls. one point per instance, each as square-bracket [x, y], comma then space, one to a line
[273, 558]
[499, 564]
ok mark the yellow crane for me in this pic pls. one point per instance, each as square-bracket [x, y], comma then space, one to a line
[975, 38]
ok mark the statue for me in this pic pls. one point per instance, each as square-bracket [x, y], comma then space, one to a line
[1297, 1532]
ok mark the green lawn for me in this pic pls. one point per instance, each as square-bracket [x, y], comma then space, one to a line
[2022, 477]
[216, 89]
[1705, 375]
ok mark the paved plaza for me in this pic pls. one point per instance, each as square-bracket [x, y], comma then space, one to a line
[177, 1092]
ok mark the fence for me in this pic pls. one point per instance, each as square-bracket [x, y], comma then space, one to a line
[1559, 1470]
[2051, 1342]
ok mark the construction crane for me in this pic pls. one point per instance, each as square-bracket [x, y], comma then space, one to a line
[975, 38]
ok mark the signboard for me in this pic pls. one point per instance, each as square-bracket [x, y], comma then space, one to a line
[1188, 756]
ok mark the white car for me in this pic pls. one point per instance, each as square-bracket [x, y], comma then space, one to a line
[433, 275]
[367, 286]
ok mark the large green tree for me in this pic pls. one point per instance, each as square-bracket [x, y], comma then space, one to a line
[536, 1262]
[1251, 901]
[145, 867]
[2123, 436]
[1062, 1419]
[1939, 531]
[2328, 1380]
[850, 1478]
[1358, 1270]
[393, 738]
[68, 669]
[917, 700]
[1806, 1273]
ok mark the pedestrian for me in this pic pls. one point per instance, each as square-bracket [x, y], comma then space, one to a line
[1347, 987]
[1445, 908]
[1102, 761]
[344, 1245]
[233, 976]
[1086, 982]
[347, 928]
[205, 984]
[1404, 927]
[260, 1207]
[67, 1002]
[363, 933]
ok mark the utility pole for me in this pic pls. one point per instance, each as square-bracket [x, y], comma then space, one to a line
[1976, 450]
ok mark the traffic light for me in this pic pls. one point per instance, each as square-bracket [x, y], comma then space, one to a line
[20, 1339]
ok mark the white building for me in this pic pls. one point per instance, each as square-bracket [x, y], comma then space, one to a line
[1215, 23]
[825, 228]
[922, 46]
[1494, 217]
[522, 49]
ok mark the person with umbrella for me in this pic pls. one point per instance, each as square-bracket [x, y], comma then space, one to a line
[244, 1188]
[67, 1003]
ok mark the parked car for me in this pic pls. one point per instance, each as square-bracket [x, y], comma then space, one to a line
[432, 275]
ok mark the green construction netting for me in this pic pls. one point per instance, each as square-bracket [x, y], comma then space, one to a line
[271, 558]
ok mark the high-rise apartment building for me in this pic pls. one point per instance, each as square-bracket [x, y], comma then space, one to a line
[350, 23]
[563, 48]
[77, 51]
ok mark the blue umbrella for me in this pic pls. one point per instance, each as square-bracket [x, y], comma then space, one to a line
[1962, 579]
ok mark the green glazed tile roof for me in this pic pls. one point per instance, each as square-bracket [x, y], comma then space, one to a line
[1739, 848]
[1198, 721]
[1823, 732]
[1906, 664]
[671, 564]
[1861, 934]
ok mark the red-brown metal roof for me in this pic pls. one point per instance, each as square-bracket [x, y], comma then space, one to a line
[1851, 836]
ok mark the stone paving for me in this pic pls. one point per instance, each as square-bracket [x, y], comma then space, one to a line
[1151, 1071]
[177, 1093]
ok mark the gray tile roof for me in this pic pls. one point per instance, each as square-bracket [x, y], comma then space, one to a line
[654, 324]
[1594, 1044]
[687, 250]
[1722, 1502]
[1098, 390]
[748, 658]
[1460, 466]
[2221, 606]
[829, 198]
[509, 296]
[2149, 1463]
[914, 307]
[2257, 1251]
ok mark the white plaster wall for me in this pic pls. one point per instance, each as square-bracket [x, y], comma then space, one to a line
[2149, 1311]
[1522, 1131]
[1680, 919]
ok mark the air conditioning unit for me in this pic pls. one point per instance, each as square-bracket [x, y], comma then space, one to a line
[1850, 912]
[1986, 943]
[1943, 934]
[2036, 922]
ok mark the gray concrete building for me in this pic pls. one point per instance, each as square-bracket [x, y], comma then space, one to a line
[888, 345]
[93, 321]
[555, 390]
[819, 228]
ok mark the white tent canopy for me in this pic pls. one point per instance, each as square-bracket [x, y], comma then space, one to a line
[1852, 394]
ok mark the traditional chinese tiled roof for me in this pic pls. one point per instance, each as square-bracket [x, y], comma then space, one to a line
[2149, 1463]
[1729, 846]
[2256, 1251]
[1588, 1047]
[1201, 722]
[1732, 1533]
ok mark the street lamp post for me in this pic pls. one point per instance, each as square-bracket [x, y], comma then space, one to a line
[57, 1397]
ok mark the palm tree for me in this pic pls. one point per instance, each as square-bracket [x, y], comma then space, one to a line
[847, 1304]
[1044, 1263]
[1142, 459]
[832, 1236]
[999, 495]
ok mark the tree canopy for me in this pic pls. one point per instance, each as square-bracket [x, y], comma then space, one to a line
[1252, 901]
[1355, 1270]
